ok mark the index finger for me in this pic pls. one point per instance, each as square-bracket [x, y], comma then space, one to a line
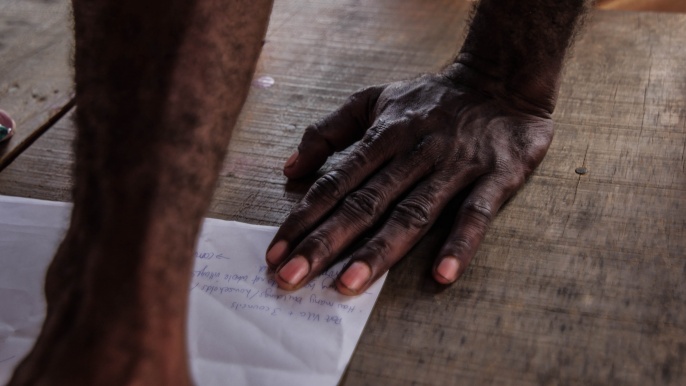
[327, 192]
[333, 133]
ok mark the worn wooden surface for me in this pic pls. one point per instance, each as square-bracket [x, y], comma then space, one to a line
[35, 80]
[643, 5]
[580, 279]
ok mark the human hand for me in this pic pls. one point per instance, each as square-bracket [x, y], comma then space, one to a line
[420, 143]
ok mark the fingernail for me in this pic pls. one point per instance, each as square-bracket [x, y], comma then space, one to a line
[356, 276]
[277, 252]
[447, 269]
[295, 270]
[291, 160]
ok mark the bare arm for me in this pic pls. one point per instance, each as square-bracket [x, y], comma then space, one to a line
[159, 85]
[519, 47]
[483, 123]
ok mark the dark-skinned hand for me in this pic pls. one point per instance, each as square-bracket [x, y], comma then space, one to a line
[418, 143]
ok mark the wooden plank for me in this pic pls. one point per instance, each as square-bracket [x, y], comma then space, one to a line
[580, 279]
[323, 53]
[35, 78]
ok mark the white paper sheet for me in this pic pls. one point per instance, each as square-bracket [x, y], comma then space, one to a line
[243, 330]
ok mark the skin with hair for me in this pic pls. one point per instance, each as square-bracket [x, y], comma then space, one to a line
[159, 86]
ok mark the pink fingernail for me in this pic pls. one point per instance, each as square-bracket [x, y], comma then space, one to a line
[447, 269]
[291, 160]
[277, 252]
[295, 270]
[356, 276]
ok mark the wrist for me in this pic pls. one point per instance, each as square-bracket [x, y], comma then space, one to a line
[521, 46]
[485, 77]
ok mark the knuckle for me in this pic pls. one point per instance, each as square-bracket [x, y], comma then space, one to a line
[511, 179]
[377, 252]
[361, 103]
[331, 186]
[358, 95]
[426, 147]
[295, 223]
[480, 210]
[515, 182]
[539, 139]
[380, 140]
[321, 242]
[313, 137]
[358, 158]
[373, 134]
[363, 205]
[414, 213]
[378, 247]
[364, 94]
[459, 246]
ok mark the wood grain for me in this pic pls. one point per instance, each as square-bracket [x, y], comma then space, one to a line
[579, 280]
[643, 5]
[35, 77]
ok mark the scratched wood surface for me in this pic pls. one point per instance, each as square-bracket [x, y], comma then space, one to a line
[643, 5]
[35, 81]
[580, 279]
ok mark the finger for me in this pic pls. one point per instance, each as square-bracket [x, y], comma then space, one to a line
[410, 220]
[359, 211]
[473, 218]
[368, 155]
[334, 132]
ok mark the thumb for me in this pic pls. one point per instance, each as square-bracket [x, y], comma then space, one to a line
[333, 133]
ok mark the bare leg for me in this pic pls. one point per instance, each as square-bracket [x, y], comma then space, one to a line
[159, 85]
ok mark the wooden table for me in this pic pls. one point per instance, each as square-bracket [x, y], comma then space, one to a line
[580, 280]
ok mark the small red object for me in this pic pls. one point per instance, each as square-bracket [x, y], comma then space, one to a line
[6, 126]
